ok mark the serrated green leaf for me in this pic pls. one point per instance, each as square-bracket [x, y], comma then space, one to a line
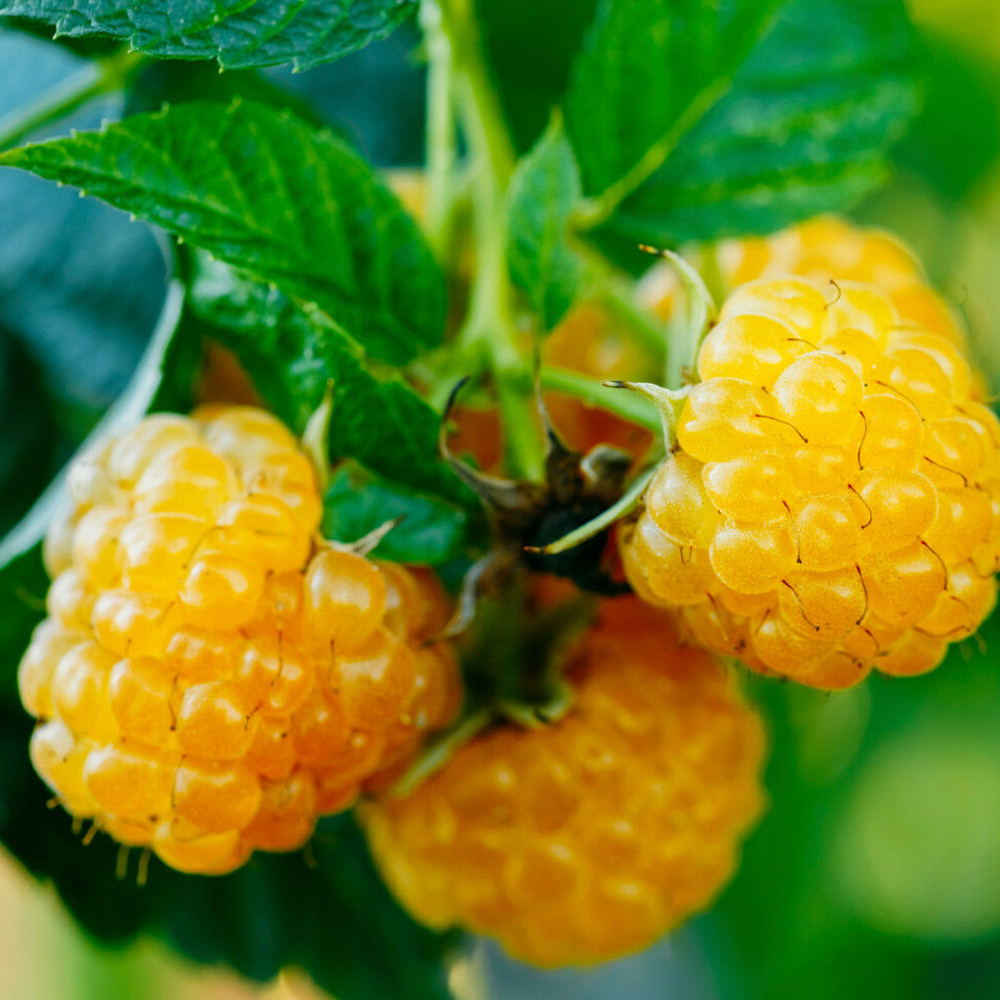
[544, 191]
[430, 533]
[734, 118]
[266, 192]
[238, 33]
[290, 356]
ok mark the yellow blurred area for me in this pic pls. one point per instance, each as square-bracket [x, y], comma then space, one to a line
[45, 956]
[973, 23]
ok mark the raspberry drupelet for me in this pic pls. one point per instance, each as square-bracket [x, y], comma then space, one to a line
[212, 677]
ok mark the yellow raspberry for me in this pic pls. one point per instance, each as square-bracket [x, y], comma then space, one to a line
[590, 838]
[833, 501]
[211, 677]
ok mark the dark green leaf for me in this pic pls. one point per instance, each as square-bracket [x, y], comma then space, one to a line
[236, 32]
[956, 138]
[23, 583]
[377, 96]
[291, 356]
[644, 64]
[338, 922]
[268, 193]
[28, 445]
[544, 191]
[82, 305]
[531, 46]
[717, 119]
[430, 533]
[167, 82]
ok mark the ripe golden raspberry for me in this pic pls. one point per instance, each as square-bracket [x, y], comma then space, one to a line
[588, 839]
[211, 679]
[833, 502]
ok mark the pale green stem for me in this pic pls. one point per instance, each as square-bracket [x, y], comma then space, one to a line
[689, 324]
[441, 750]
[630, 500]
[316, 438]
[489, 332]
[628, 405]
[102, 76]
[441, 135]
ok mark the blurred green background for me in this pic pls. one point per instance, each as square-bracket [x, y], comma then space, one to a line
[876, 873]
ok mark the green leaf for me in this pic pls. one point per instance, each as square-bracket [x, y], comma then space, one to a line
[291, 356]
[643, 65]
[544, 191]
[430, 533]
[266, 192]
[23, 584]
[238, 33]
[29, 444]
[337, 921]
[955, 141]
[693, 120]
[531, 47]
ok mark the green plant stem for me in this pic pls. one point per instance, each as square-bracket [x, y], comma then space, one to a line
[689, 324]
[489, 334]
[441, 750]
[101, 76]
[630, 500]
[629, 405]
[441, 135]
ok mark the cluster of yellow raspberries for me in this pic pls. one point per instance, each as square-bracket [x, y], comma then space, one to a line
[214, 676]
